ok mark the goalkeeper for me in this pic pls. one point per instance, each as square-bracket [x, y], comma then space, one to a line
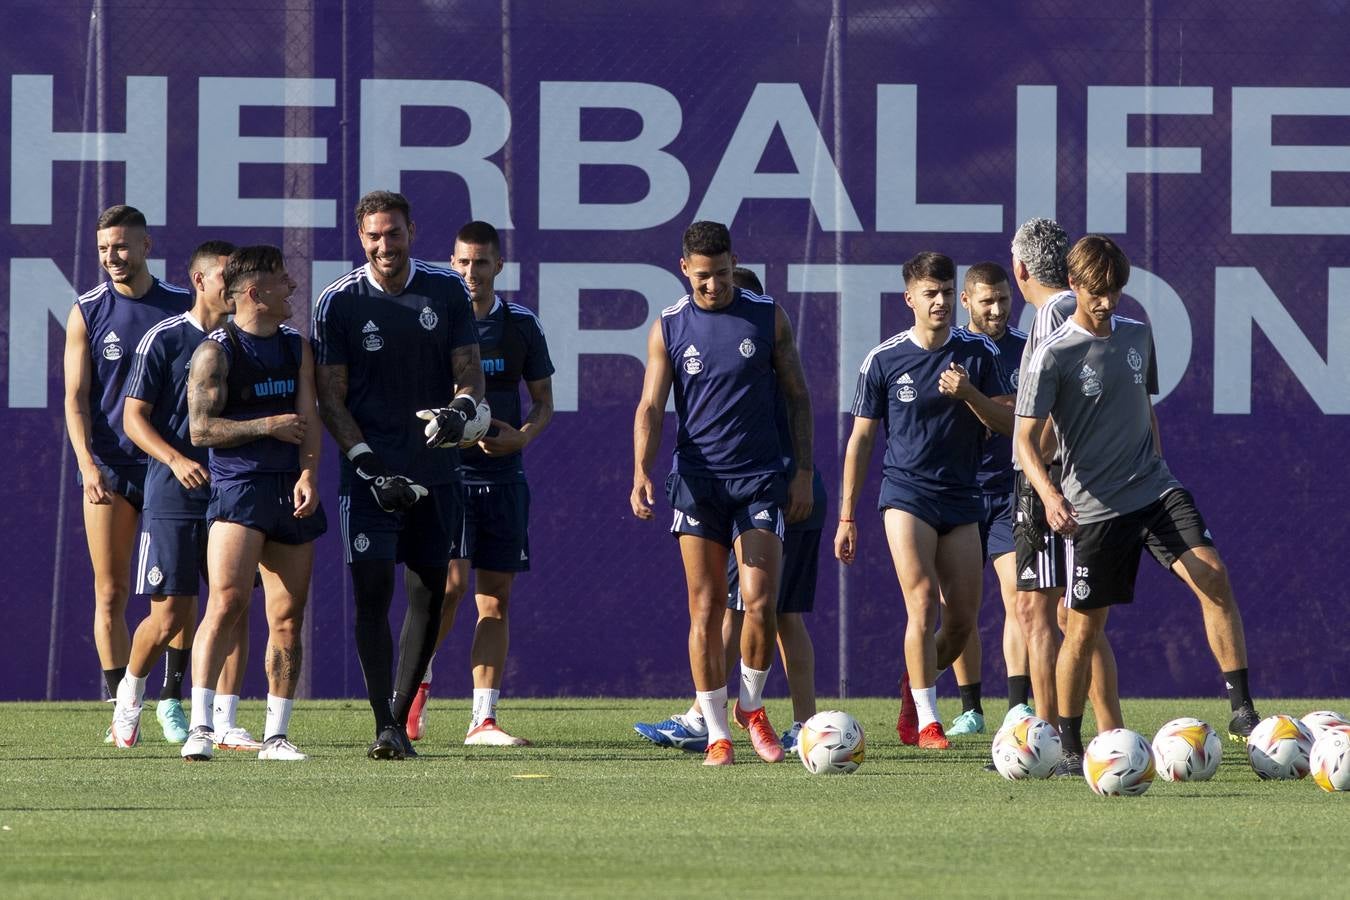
[393, 339]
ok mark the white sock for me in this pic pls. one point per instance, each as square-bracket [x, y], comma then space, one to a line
[224, 711]
[426, 676]
[484, 705]
[752, 687]
[925, 701]
[202, 701]
[278, 715]
[131, 690]
[694, 712]
[714, 705]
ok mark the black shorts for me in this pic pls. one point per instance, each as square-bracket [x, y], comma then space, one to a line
[264, 502]
[431, 533]
[497, 520]
[1039, 550]
[1103, 557]
[172, 559]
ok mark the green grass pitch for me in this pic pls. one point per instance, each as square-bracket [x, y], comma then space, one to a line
[592, 810]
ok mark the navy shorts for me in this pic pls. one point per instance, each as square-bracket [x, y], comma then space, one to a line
[431, 533]
[172, 558]
[721, 509]
[996, 528]
[942, 511]
[497, 519]
[1103, 557]
[128, 481]
[264, 503]
[801, 560]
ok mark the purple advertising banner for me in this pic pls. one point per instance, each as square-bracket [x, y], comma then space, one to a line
[1210, 139]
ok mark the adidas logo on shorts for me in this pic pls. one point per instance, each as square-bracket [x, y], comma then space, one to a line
[1028, 572]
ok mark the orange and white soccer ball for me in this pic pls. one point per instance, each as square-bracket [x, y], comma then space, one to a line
[1027, 748]
[1323, 719]
[1187, 749]
[1278, 748]
[1330, 760]
[1119, 763]
[831, 743]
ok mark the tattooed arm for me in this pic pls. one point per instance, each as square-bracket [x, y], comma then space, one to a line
[206, 398]
[331, 383]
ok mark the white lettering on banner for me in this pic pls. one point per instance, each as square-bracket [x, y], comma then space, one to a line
[560, 287]
[1242, 298]
[897, 174]
[1037, 145]
[384, 156]
[1256, 157]
[859, 288]
[34, 147]
[1111, 159]
[221, 150]
[771, 107]
[39, 295]
[562, 153]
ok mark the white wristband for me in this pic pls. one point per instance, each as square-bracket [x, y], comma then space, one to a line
[358, 449]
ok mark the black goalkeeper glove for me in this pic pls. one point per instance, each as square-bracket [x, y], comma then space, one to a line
[445, 424]
[394, 493]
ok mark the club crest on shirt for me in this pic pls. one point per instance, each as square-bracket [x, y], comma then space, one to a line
[1014, 377]
[692, 364]
[428, 318]
[747, 348]
[1135, 360]
[905, 393]
[1090, 383]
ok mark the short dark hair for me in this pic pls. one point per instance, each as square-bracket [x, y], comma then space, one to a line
[121, 215]
[706, 239]
[208, 251]
[990, 273]
[480, 233]
[1098, 265]
[929, 265]
[246, 263]
[747, 279]
[381, 201]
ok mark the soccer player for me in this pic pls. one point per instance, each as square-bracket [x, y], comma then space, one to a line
[251, 400]
[728, 354]
[987, 297]
[796, 596]
[177, 490]
[935, 389]
[394, 340]
[513, 350]
[1094, 375]
[102, 330]
[1039, 251]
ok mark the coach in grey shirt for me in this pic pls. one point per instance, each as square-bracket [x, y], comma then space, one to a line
[1094, 375]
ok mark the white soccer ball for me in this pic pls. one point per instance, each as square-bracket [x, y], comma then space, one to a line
[1187, 749]
[831, 743]
[1279, 748]
[1026, 748]
[1330, 760]
[475, 428]
[1119, 763]
[1323, 719]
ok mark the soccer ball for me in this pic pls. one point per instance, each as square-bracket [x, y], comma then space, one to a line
[1119, 763]
[475, 428]
[831, 743]
[1027, 748]
[1278, 748]
[1330, 760]
[1323, 719]
[1187, 749]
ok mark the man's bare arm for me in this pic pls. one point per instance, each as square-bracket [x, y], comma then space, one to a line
[331, 385]
[467, 366]
[206, 398]
[647, 421]
[787, 365]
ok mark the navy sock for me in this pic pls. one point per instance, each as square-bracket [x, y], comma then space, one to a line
[175, 666]
[1071, 734]
[1019, 690]
[1239, 695]
[112, 678]
[970, 697]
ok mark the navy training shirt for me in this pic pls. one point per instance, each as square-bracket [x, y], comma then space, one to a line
[996, 468]
[262, 383]
[513, 348]
[933, 442]
[115, 325]
[396, 348]
[726, 388]
[159, 377]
